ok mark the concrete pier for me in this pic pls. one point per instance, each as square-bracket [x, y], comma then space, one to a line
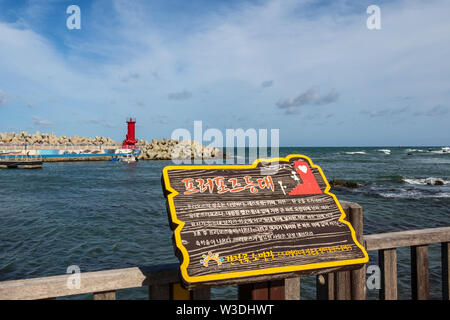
[10, 162]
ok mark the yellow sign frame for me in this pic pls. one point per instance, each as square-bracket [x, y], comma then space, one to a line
[274, 270]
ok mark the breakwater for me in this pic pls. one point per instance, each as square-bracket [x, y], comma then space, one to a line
[157, 149]
[167, 149]
[25, 138]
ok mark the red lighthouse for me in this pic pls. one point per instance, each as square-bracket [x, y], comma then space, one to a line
[130, 141]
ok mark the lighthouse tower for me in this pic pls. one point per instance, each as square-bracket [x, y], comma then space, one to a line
[130, 140]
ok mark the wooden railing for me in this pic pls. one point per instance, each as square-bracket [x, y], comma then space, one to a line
[418, 241]
[163, 280]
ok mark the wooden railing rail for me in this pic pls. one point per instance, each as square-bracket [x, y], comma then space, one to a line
[101, 283]
[392, 240]
[163, 280]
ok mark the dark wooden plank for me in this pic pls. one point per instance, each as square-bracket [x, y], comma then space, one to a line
[254, 291]
[277, 290]
[179, 293]
[260, 291]
[201, 294]
[245, 291]
[159, 292]
[445, 258]
[388, 266]
[282, 289]
[106, 295]
[419, 273]
[408, 238]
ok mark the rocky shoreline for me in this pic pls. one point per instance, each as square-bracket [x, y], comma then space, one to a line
[157, 149]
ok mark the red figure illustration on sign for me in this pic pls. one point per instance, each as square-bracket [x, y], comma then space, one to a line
[309, 185]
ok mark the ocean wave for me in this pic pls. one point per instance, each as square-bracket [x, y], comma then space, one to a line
[386, 151]
[417, 191]
[425, 181]
[413, 194]
[355, 152]
[445, 150]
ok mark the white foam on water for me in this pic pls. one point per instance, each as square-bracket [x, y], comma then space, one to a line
[414, 181]
[386, 151]
[444, 150]
[442, 195]
[413, 194]
[426, 181]
[401, 194]
[355, 152]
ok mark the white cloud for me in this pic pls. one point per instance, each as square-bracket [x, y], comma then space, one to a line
[309, 97]
[182, 95]
[3, 98]
[267, 84]
[38, 122]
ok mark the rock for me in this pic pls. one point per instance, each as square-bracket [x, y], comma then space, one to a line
[434, 182]
[342, 183]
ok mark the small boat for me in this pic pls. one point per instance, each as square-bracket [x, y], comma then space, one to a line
[128, 158]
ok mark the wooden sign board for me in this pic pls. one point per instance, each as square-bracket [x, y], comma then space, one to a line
[236, 222]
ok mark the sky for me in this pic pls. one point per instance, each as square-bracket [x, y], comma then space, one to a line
[312, 69]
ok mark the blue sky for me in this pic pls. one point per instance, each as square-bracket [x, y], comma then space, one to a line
[309, 68]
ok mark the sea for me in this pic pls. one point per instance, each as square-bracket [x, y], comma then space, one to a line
[106, 215]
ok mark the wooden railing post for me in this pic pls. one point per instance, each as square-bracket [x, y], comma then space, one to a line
[325, 286]
[267, 290]
[358, 276]
[342, 285]
[159, 292]
[201, 294]
[277, 290]
[445, 258]
[177, 292]
[420, 283]
[388, 266]
[292, 289]
[245, 291]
